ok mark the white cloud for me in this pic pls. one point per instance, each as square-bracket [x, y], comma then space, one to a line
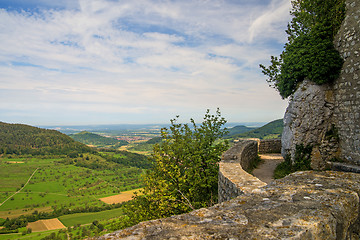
[163, 56]
[271, 22]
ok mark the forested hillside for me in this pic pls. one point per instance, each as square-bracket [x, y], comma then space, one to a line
[126, 158]
[23, 139]
[97, 140]
[271, 130]
[238, 130]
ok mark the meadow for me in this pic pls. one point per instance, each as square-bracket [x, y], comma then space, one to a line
[84, 218]
[60, 184]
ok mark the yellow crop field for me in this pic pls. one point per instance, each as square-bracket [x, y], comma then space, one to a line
[122, 197]
[44, 225]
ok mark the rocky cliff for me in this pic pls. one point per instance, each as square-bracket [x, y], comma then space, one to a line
[327, 117]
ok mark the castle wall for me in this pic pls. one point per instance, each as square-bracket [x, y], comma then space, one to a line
[270, 146]
[327, 117]
[233, 179]
[347, 87]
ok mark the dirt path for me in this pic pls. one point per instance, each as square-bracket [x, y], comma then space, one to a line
[265, 171]
[21, 188]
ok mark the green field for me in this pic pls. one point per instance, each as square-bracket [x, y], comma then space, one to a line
[57, 184]
[32, 236]
[84, 218]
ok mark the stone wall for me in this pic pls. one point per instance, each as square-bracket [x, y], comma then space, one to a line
[304, 205]
[347, 87]
[233, 179]
[270, 146]
[327, 117]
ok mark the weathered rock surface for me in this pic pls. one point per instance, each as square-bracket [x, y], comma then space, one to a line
[314, 110]
[304, 205]
[307, 121]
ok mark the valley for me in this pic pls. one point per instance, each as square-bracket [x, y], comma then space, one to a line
[58, 186]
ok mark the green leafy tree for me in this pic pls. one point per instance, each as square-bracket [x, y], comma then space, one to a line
[184, 173]
[310, 52]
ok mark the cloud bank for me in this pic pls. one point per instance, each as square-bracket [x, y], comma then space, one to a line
[144, 61]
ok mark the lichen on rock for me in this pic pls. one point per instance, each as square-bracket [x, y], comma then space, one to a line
[304, 205]
[307, 121]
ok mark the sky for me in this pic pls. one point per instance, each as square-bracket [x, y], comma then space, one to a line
[74, 62]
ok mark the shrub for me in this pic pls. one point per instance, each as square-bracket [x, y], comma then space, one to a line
[302, 162]
[310, 52]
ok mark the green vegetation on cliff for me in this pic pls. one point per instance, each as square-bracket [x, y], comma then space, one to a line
[310, 52]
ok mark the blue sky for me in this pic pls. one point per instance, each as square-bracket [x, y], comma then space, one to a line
[144, 61]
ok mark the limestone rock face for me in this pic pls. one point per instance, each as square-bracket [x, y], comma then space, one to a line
[304, 205]
[308, 120]
[335, 109]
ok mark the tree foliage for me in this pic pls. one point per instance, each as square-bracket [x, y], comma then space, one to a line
[126, 158]
[310, 52]
[184, 173]
[23, 139]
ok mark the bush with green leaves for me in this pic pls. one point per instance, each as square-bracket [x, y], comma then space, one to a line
[309, 53]
[184, 172]
[302, 162]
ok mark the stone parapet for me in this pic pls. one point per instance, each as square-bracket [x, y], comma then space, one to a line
[304, 205]
[270, 146]
[233, 179]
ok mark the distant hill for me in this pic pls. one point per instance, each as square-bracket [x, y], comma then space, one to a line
[145, 146]
[125, 158]
[23, 139]
[271, 130]
[97, 140]
[238, 130]
[154, 140]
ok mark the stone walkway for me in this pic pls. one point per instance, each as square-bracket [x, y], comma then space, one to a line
[265, 170]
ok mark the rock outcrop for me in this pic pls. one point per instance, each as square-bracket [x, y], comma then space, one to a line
[327, 117]
[308, 122]
[304, 205]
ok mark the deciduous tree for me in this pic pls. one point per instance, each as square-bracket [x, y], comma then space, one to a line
[184, 173]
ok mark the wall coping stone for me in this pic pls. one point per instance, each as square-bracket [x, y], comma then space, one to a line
[303, 205]
[244, 181]
[344, 167]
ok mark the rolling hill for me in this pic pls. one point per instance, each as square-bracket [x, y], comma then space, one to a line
[97, 140]
[23, 139]
[238, 130]
[271, 130]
